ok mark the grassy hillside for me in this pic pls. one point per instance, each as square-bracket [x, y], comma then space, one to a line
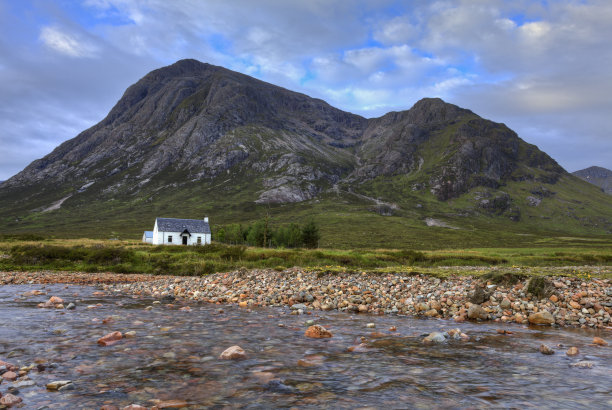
[346, 220]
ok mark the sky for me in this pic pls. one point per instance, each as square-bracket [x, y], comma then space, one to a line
[541, 67]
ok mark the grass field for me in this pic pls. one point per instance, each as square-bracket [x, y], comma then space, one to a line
[30, 253]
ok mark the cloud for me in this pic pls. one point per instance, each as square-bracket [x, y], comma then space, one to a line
[540, 67]
[67, 44]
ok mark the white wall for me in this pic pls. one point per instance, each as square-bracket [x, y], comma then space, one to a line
[161, 238]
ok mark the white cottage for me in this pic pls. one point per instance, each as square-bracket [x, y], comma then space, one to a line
[173, 231]
[147, 237]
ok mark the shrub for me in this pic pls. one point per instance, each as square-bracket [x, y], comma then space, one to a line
[503, 278]
[540, 287]
[233, 253]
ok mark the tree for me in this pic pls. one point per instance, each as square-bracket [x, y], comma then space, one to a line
[220, 236]
[294, 236]
[310, 235]
[258, 233]
[233, 234]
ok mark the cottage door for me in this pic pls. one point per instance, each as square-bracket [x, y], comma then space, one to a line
[184, 240]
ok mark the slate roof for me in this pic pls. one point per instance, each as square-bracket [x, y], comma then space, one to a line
[148, 234]
[179, 225]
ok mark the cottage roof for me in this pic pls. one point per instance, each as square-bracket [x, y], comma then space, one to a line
[179, 225]
[148, 234]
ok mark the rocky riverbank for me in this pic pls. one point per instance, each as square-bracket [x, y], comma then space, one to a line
[561, 300]
[568, 301]
[79, 278]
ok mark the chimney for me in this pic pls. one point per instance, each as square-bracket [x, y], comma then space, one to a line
[206, 219]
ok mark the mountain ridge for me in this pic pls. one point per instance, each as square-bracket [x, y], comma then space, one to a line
[598, 176]
[195, 129]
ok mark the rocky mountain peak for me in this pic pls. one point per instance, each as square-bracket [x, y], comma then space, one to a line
[195, 127]
[434, 110]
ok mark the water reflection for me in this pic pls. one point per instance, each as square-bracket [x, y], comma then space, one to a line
[174, 357]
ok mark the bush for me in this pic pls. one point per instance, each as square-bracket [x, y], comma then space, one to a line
[233, 253]
[408, 257]
[38, 255]
[22, 237]
[209, 248]
[503, 278]
[540, 287]
[108, 256]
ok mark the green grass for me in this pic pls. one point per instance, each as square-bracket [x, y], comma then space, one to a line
[134, 257]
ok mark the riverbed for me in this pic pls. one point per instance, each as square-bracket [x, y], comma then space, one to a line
[172, 358]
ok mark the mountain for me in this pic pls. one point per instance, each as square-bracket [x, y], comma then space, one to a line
[194, 139]
[598, 176]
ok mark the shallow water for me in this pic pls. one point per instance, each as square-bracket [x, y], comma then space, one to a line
[174, 356]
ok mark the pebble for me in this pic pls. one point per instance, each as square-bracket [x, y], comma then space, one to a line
[57, 384]
[278, 386]
[298, 306]
[546, 350]
[583, 364]
[172, 404]
[371, 325]
[360, 348]
[572, 351]
[68, 386]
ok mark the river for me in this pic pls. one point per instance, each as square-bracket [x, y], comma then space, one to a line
[174, 357]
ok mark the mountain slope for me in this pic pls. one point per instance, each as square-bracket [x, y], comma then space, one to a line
[193, 138]
[598, 176]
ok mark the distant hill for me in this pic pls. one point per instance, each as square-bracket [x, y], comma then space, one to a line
[599, 176]
[193, 139]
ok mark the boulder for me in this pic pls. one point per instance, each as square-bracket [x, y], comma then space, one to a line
[9, 376]
[317, 332]
[546, 350]
[599, 341]
[10, 400]
[110, 339]
[233, 353]
[477, 312]
[543, 317]
[479, 296]
[435, 337]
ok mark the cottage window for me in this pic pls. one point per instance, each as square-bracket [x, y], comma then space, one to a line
[199, 240]
[169, 238]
